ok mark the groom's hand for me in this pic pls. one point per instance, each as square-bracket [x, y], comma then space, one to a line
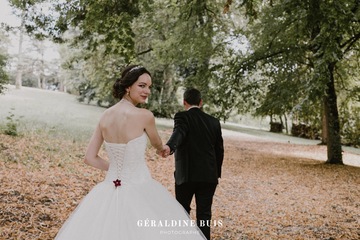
[165, 152]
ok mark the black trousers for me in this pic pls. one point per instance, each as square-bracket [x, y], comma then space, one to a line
[204, 193]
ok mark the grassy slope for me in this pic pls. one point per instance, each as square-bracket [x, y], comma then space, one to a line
[60, 113]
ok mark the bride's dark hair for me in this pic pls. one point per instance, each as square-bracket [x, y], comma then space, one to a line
[128, 77]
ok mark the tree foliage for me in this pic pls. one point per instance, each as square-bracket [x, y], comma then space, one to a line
[178, 41]
[299, 47]
[101, 24]
[101, 38]
[3, 74]
[281, 58]
[3, 60]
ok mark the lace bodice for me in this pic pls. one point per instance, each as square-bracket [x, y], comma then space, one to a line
[127, 161]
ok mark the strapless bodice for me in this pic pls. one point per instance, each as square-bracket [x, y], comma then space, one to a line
[127, 161]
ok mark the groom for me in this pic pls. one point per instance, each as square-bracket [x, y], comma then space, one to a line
[198, 145]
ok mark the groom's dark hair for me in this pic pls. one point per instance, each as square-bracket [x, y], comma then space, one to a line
[192, 96]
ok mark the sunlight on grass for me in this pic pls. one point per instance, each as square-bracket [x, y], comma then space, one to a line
[57, 113]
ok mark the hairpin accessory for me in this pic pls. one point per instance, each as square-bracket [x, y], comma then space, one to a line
[135, 68]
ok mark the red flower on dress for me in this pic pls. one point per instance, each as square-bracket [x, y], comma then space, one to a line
[117, 183]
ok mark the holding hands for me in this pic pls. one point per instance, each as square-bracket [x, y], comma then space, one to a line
[165, 152]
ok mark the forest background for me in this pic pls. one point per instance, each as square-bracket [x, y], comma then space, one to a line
[295, 62]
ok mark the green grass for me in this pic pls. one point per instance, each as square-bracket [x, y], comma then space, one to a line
[56, 113]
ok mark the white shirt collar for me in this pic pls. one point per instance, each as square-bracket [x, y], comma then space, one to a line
[193, 106]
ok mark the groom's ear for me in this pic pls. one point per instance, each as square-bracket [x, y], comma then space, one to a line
[201, 103]
[186, 105]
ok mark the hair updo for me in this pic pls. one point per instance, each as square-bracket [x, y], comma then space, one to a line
[128, 77]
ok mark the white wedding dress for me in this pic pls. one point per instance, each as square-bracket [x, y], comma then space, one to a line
[129, 204]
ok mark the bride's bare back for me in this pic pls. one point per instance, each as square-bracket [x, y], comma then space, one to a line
[124, 122]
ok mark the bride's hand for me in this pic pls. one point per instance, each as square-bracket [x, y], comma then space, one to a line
[164, 152]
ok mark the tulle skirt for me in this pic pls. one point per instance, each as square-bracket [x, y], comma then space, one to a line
[145, 211]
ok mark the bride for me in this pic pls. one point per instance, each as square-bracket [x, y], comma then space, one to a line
[128, 204]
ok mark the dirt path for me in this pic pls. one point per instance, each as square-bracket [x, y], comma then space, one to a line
[305, 149]
[282, 191]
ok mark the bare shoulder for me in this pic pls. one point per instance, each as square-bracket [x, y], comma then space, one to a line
[107, 116]
[106, 112]
[146, 113]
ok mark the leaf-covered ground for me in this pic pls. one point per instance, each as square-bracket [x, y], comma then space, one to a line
[265, 193]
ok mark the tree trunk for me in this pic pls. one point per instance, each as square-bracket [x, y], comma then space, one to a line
[324, 124]
[18, 80]
[334, 151]
[43, 82]
[286, 124]
[167, 92]
[62, 87]
[168, 79]
[39, 81]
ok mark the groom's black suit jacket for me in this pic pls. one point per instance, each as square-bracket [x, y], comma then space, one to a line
[198, 145]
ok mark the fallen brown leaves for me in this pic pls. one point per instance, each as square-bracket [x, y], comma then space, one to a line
[263, 194]
[42, 180]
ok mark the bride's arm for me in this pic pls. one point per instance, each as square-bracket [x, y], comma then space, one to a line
[152, 132]
[91, 156]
